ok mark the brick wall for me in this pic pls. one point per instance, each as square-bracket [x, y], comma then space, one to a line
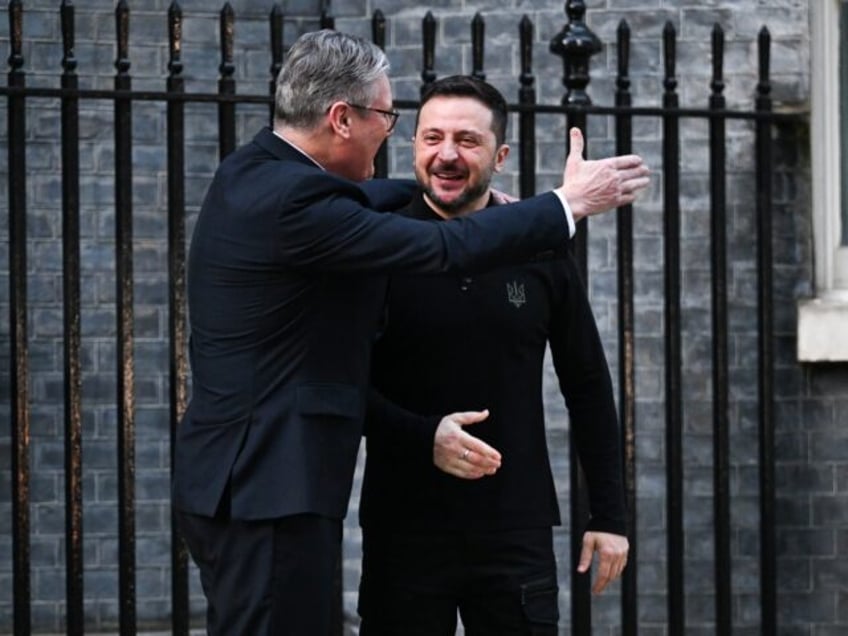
[812, 401]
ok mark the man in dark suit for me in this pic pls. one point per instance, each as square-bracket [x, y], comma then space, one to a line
[286, 290]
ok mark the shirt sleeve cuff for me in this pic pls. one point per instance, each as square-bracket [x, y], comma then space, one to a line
[569, 217]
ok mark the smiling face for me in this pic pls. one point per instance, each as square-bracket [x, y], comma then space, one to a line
[456, 153]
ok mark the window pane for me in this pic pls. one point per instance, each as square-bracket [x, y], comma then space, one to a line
[843, 112]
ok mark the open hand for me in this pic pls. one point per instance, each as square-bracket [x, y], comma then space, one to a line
[594, 186]
[460, 454]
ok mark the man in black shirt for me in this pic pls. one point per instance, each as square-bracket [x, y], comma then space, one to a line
[433, 543]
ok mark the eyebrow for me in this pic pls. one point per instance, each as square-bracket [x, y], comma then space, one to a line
[465, 131]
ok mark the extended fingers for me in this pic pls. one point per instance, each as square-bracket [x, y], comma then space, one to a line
[610, 567]
[612, 553]
[479, 456]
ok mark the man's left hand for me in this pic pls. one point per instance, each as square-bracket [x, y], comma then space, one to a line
[612, 552]
[460, 454]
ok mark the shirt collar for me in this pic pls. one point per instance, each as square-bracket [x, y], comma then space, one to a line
[299, 149]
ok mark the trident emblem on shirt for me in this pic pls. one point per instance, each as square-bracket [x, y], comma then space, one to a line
[515, 293]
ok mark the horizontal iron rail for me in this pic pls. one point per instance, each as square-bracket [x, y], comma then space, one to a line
[635, 111]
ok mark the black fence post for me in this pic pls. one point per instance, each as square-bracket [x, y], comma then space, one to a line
[428, 51]
[765, 320]
[527, 116]
[626, 336]
[673, 357]
[227, 84]
[177, 322]
[378, 34]
[19, 364]
[124, 310]
[718, 260]
[75, 619]
[327, 20]
[576, 44]
[276, 21]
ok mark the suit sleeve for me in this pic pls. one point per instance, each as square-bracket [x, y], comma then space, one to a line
[399, 428]
[386, 195]
[325, 224]
[585, 382]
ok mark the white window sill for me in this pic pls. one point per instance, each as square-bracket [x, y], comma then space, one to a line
[823, 328]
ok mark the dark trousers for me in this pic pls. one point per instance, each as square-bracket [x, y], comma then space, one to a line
[265, 578]
[501, 583]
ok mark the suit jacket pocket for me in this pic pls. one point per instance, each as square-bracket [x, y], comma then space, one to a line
[340, 400]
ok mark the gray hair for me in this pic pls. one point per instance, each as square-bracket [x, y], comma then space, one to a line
[323, 67]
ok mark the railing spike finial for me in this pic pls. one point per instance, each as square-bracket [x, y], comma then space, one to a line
[122, 29]
[378, 29]
[575, 44]
[764, 54]
[622, 82]
[717, 83]
[276, 20]
[428, 28]
[670, 56]
[69, 62]
[175, 38]
[228, 19]
[478, 40]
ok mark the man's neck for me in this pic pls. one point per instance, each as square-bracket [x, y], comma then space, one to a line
[306, 141]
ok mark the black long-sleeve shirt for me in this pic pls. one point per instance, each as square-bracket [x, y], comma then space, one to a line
[462, 342]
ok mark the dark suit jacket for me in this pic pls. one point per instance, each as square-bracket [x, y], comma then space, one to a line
[285, 291]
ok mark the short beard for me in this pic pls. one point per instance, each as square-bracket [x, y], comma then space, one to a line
[458, 204]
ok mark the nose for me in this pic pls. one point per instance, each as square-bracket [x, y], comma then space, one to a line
[447, 151]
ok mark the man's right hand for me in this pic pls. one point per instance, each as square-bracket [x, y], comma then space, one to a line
[460, 454]
[594, 186]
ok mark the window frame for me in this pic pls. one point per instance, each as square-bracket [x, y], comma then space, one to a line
[821, 320]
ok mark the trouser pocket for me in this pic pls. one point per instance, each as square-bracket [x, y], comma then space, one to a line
[539, 604]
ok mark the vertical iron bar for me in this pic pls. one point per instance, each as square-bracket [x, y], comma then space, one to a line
[576, 43]
[428, 34]
[478, 43]
[71, 299]
[527, 116]
[378, 34]
[721, 424]
[327, 20]
[124, 306]
[19, 382]
[227, 84]
[626, 337]
[673, 358]
[177, 330]
[768, 565]
[581, 597]
[276, 20]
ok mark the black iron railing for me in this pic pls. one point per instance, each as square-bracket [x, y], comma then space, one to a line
[576, 44]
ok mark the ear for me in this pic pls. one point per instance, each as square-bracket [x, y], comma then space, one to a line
[500, 157]
[338, 118]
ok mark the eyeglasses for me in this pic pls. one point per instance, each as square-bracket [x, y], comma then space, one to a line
[390, 115]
